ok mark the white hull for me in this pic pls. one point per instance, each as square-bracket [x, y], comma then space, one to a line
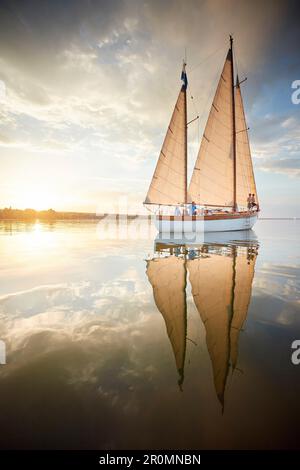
[222, 238]
[199, 225]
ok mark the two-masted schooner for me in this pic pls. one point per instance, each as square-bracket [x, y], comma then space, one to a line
[222, 193]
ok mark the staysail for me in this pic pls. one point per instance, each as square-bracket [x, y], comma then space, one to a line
[168, 185]
[167, 276]
[245, 182]
[212, 180]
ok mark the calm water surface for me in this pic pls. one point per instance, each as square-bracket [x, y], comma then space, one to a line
[126, 344]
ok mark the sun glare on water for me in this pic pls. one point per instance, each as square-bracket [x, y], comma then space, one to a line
[39, 240]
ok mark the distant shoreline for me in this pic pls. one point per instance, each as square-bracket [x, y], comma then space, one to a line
[80, 219]
[31, 215]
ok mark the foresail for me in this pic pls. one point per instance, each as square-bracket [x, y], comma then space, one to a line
[168, 279]
[245, 182]
[212, 179]
[168, 185]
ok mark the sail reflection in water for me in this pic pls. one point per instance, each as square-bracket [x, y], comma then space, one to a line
[221, 276]
[167, 276]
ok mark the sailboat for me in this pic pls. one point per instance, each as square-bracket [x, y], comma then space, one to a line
[223, 311]
[217, 198]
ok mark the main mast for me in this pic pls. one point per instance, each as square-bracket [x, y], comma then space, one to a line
[184, 87]
[233, 127]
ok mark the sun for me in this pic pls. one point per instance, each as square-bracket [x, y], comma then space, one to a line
[37, 197]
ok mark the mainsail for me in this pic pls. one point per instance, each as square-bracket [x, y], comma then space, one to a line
[167, 276]
[168, 185]
[223, 173]
[212, 180]
[245, 182]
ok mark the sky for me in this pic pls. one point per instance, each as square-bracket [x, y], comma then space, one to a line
[87, 89]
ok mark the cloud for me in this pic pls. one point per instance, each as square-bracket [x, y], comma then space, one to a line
[289, 166]
[276, 144]
[73, 309]
[103, 60]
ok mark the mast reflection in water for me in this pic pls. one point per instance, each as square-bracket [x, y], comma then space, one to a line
[220, 272]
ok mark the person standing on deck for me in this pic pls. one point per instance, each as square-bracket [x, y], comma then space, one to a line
[177, 211]
[253, 203]
[193, 209]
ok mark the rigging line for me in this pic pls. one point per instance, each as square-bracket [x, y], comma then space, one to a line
[213, 87]
[210, 95]
[208, 57]
[192, 96]
[195, 109]
[236, 62]
[192, 99]
[235, 65]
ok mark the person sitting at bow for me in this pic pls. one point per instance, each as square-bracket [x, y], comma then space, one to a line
[253, 203]
[249, 201]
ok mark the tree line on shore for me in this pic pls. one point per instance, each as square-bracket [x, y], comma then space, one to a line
[52, 215]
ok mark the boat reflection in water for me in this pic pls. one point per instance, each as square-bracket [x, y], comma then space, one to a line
[220, 270]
